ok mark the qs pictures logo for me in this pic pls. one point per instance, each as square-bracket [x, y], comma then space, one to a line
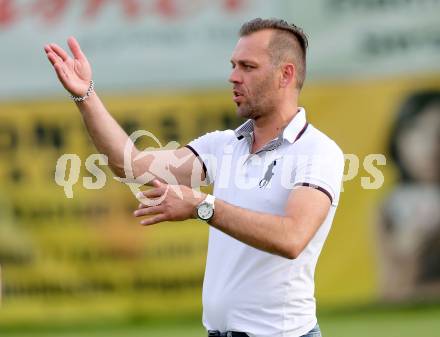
[136, 162]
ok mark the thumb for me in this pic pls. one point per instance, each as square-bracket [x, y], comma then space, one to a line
[75, 48]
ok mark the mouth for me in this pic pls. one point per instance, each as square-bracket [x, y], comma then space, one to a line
[237, 96]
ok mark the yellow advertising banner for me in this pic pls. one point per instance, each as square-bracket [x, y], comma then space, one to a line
[88, 256]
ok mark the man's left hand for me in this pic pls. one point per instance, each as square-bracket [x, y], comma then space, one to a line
[166, 202]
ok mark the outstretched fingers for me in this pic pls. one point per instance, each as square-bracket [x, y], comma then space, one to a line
[75, 48]
[53, 59]
[74, 73]
[51, 55]
[61, 72]
[149, 211]
[57, 62]
[155, 215]
[59, 51]
[154, 220]
[150, 194]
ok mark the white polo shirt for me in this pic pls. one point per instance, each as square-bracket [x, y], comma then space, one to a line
[246, 289]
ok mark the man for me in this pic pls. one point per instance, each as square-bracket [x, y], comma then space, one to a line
[276, 184]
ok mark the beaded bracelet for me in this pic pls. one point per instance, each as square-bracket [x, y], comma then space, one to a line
[88, 93]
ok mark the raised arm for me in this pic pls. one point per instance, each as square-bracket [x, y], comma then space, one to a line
[75, 74]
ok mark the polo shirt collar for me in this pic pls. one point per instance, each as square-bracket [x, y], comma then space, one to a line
[296, 127]
[292, 132]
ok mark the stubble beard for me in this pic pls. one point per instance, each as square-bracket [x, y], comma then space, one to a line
[261, 106]
[261, 103]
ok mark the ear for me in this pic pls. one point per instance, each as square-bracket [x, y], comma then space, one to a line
[288, 74]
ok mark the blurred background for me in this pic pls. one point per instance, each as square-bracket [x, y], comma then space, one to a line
[83, 266]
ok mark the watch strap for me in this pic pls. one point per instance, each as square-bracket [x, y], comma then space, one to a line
[210, 199]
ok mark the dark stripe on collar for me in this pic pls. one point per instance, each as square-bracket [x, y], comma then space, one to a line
[301, 132]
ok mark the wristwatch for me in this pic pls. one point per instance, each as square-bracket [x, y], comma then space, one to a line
[205, 210]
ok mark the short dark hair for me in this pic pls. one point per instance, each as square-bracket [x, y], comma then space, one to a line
[289, 43]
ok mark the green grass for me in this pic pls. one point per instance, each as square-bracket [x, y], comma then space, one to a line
[371, 321]
[383, 322]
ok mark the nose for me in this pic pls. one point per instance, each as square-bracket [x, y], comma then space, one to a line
[235, 77]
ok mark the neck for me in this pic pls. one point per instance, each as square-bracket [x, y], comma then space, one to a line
[269, 126]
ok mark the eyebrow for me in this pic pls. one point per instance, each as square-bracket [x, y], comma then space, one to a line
[243, 62]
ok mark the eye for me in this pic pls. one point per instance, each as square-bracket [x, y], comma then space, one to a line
[248, 67]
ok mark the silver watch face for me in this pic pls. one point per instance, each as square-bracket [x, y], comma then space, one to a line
[205, 211]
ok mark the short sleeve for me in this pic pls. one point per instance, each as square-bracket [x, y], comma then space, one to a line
[206, 148]
[322, 169]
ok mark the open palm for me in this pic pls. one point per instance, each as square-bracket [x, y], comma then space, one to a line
[74, 73]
